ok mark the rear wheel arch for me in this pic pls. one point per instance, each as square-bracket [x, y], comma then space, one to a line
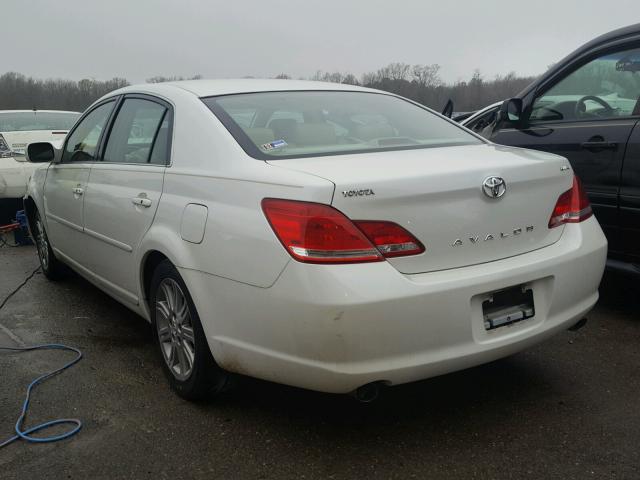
[150, 262]
[158, 244]
[30, 209]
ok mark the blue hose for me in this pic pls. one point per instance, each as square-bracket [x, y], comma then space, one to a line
[25, 434]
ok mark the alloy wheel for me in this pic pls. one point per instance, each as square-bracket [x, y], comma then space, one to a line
[175, 329]
[42, 243]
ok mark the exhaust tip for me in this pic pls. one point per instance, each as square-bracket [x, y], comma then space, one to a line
[368, 393]
[581, 323]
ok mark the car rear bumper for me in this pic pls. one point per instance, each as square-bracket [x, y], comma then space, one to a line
[336, 328]
[13, 178]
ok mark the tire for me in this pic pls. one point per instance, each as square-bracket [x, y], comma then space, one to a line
[187, 361]
[52, 268]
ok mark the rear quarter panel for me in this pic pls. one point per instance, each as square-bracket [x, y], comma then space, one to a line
[209, 168]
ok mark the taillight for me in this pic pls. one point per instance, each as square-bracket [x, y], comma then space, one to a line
[390, 239]
[317, 233]
[572, 206]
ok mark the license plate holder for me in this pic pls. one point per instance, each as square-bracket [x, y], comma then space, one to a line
[508, 306]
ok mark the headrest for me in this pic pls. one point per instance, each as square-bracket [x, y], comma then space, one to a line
[307, 134]
[369, 132]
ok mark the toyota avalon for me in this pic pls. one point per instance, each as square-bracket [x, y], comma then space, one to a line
[324, 236]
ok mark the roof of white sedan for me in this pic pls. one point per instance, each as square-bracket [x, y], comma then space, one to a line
[208, 88]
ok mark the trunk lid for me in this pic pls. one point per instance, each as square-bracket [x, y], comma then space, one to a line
[19, 140]
[437, 195]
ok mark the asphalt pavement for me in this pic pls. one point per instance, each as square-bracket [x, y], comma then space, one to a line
[568, 408]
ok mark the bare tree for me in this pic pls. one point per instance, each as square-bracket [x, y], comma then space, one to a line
[396, 71]
[350, 79]
[162, 79]
[335, 77]
[427, 75]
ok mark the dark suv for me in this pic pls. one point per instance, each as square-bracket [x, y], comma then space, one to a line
[587, 109]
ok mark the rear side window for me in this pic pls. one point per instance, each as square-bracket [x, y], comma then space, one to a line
[160, 150]
[272, 125]
[83, 141]
[138, 127]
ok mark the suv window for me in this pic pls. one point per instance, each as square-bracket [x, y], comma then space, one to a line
[134, 132]
[83, 141]
[607, 87]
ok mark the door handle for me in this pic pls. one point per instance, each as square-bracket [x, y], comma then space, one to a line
[78, 191]
[599, 145]
[141, 202]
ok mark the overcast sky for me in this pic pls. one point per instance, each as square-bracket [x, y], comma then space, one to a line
[138, 39]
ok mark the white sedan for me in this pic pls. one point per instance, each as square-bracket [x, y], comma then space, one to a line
[324, 236]
[18, 128]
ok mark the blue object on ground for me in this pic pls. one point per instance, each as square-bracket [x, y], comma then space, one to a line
[26, 434]
[22, 234]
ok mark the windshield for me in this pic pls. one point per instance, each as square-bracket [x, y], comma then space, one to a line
[27, 121]
[310, 123]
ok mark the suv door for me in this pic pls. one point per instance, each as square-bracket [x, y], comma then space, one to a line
[630, 201]
[587, 115]
[66, 184]
[124, 191]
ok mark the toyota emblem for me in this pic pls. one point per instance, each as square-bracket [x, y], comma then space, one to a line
[494, 187]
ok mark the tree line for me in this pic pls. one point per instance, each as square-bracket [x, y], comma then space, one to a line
[19, 92]
[424, 84]
[421, 83]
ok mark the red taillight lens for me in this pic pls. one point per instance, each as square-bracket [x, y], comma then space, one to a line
[390, 239]
[317, 233]
[572, 206]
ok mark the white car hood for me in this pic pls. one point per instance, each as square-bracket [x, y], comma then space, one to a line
[18, 141]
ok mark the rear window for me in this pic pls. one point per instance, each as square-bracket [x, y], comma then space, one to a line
[27, 121]
[272, 125]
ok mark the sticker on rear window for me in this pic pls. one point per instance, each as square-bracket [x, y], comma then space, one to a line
[273, 145]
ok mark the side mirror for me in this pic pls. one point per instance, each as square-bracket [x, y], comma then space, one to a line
[447, 111]
[40, 152]
[511, 110]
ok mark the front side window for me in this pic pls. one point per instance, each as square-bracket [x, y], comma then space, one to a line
[607, 87]
[294, 124]
[137, 127]
[82, 144]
